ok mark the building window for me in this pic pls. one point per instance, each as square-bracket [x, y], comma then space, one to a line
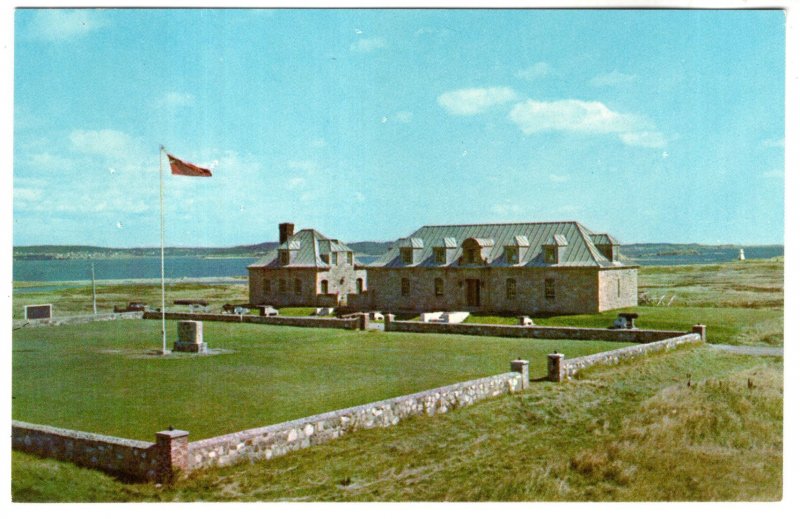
[619, 288]
[550, 254]
[298, 286]
[550, 288]
[407, 256]
[323, 286]
[440, 256]
[472, 256]
[326, 258]
[349, 258]
[438, 286]
[511, 288]
[334, 258]
[265, 289]
[284, 257]
[405, 287]
[282, 286]
[359, 285]
[512, 255]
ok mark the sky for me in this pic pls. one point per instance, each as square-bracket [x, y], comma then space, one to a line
[653, 126]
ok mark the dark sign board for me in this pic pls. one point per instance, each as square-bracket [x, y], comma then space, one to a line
[38, 311]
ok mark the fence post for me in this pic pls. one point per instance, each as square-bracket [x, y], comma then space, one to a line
[555, 369]
[700, 329]
[173, 453]
[387, 322]
[522, 367]
[363, 321]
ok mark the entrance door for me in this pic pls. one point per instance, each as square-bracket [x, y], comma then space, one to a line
[473, 292]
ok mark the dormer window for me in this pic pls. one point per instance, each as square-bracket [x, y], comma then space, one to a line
[512, 255]
[440, 255]
[476, 250]
[550, 253]
[326, 258]
[552, 250]
[284, 257]
[407, 256]
[334, 258]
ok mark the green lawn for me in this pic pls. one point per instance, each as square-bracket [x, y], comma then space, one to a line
[99, 377]
[631, 432]
[752, 326]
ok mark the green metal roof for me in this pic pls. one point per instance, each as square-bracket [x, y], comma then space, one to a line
[309, 244]
[577, 248]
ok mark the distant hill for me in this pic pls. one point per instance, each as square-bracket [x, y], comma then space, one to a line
[644, 253]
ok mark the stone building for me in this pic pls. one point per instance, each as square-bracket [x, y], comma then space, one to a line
[522, 268]
[307, 269]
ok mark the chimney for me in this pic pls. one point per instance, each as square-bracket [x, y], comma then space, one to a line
[285, 231]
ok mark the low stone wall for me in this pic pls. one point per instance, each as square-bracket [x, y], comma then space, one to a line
[76, 319]
[311, 322]
[533, 332]
[137, 460]
[568, 368]
[275, 440]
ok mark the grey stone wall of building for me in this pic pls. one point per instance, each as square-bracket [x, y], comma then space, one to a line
[275, 440]
[306, 322]
[619, 288]
[534, 332]
[576, 289]
[76, 319]
[570, 367]
[135, 459]
[341, 278]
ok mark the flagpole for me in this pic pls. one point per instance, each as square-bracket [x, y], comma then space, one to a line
[163, 293]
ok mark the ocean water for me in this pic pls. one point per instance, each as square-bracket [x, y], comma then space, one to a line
[198, 267]
[132, 268]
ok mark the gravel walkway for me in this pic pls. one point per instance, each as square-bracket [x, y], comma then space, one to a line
[749, 350]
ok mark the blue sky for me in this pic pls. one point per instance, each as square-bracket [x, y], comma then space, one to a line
[662, 126]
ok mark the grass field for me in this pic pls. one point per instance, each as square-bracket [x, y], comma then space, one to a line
[632, 432]
[691, 425]
[99, 377]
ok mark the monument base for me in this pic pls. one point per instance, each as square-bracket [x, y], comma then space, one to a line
[191, 347]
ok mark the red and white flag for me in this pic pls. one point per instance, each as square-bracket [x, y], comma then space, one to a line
[180, 167]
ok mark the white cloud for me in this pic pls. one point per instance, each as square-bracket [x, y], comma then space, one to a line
[107, 143]
[404, 117]
[559, 179]
[296, 182]
[506, 209]
[773, 143]
[773, 173]
[612, 79]
[570, 115]
[365, 45]
[61, 25]
[48, 162]
[471, 101]
[24, 195]
[308, 166]
[645, 139]
[535, 71]
[174, 100]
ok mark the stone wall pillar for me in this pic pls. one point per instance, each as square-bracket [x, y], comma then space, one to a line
[363, 321]
[700, 329]
[387, 322]
[555, 367]
[173, 453]
[522, 367]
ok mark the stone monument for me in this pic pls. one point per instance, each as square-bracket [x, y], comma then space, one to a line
[190, 337]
